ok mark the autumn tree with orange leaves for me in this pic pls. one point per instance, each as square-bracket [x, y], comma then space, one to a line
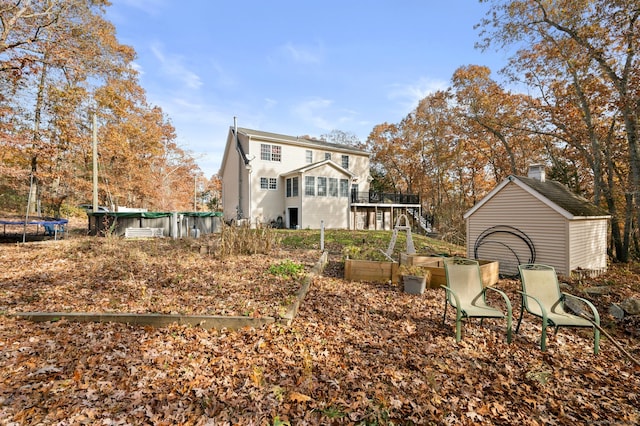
[577, 62]
[582, 57]
[60, 64]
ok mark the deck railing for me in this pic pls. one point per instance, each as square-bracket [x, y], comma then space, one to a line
[373, 197]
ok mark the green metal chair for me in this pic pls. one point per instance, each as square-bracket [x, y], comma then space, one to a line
[465, 293]
[541, 296]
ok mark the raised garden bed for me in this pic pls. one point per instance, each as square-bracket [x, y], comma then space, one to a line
[489, 270]
[371, 270]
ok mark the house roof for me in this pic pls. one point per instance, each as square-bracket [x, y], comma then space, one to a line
[312, 166]
[298, 140]
[554, 194]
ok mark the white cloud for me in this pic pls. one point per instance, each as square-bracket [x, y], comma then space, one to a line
[137, 67]
[270, 103]
[221, 77]
[312, 111]
[302, 55]
[172, 66]
[409, 95]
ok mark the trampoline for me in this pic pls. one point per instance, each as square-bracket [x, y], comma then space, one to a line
[35, 228]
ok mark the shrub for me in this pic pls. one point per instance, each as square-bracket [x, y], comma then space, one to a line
[364, 253]
[235, 240]
[287, 269]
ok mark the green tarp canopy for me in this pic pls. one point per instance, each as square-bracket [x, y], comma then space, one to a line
[154, 215]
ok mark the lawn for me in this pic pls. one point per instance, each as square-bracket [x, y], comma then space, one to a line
[357, 353]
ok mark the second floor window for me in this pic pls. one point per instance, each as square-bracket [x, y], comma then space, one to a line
[345, 162]
[308, 156]
[270, 152]
[327, 156]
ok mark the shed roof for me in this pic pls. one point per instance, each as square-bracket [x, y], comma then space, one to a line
[552, 193]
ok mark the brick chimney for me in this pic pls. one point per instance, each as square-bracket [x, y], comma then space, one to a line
[536, 171]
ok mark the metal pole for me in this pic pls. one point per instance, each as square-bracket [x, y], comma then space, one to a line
[239, 214]
[26, 218]
[95, 163]
[322, 235]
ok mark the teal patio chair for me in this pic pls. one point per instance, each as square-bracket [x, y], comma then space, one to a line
[541, 297]
[465, 293]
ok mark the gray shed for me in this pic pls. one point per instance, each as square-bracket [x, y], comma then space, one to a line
[534, 220]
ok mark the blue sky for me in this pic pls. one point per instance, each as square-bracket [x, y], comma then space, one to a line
[294, 67]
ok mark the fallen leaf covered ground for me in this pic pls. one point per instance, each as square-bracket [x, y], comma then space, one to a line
[357, 353]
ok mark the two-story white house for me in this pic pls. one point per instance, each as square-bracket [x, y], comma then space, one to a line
[295, 182]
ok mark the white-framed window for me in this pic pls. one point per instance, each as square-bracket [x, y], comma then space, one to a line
[308, 155]
[327, 156]
[292, 187]
[270, 152]
[276, 153]
[309, 186]
[344, 187]
[268, 183]
[265, 152]
[345, 162]
[333, 187]
[322, 186]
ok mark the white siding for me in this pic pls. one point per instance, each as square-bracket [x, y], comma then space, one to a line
[513, 206]
[334, 211]
[230, 188]
[588, 244]
[267, 204]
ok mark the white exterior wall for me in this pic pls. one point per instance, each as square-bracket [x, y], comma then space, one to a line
[334, 211]
[230, 188]
[358, 164]
[267, 205]
[513, 206]
[588, 245]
